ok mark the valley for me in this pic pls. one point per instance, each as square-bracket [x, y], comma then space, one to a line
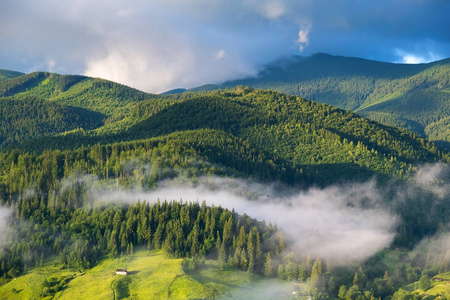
[230, 193]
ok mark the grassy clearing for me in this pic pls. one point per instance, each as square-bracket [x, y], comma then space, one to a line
[29, 285]
[151, 276]
[437, 287]
[185, 287]
[391, 257]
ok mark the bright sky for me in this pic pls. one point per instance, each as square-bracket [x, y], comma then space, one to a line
[158, 45]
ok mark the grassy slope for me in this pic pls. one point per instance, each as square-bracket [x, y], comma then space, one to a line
[153, 276]
[29, 284]
[150, 276]
[437, 287]
[390, 258]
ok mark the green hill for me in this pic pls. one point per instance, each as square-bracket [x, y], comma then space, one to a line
[415, 97]
[7, 74]
[44, 104]
[94, 94]
[315, 142]
[28, 117]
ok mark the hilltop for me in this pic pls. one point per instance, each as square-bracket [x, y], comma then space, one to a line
[95, 94]
[44, 104]
[7, 74]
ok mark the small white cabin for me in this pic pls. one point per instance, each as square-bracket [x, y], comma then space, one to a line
[121, 272]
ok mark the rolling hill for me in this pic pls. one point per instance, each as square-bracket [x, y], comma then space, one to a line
[312, 142]
[27, 117]
[94, 94]
[44, 104]
[7, 74]
[304, 138]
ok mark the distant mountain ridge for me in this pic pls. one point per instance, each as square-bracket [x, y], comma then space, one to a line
[7, 74]
[411, 96]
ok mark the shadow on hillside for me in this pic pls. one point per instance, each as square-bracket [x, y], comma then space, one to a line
[443, 144]
[323, 175]
[133, 272]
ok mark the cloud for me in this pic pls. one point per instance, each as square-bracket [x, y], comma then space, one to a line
[427, 174]
[341, 224]
[434, 178]
[51, 64]
[261, 289]
[5, 214]
[268, 9]
[303, 38]
[274, 9]
[413, 58]
[220, 54]
[159, 45]
[435, 248]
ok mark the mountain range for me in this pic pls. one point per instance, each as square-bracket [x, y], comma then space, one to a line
[411, 96]
[313, 143]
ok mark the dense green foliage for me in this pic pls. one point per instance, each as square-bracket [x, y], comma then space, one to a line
[60, 222]
[53, 284]
[312, 143]
[55, 183]
[415, 97]
[98, 95]
[7, 74]
[52, 192]
[44, 104]
[26, 117]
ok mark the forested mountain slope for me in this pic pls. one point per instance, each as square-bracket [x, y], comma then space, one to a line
[28, 117]
[40, 103]
[415, 97]
[313, 143]
[95, 94]
[7, 74]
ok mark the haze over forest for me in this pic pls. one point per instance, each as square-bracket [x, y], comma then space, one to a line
[269, 149]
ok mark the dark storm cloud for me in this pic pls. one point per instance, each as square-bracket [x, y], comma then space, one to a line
[160, 45]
